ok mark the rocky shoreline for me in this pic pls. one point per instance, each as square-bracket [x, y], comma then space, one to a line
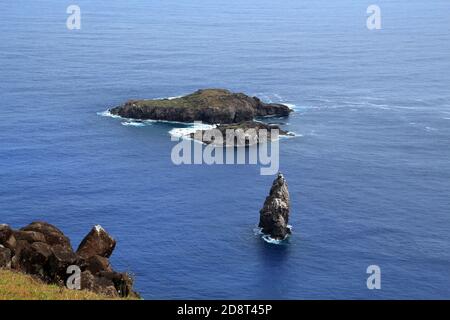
[42, 250]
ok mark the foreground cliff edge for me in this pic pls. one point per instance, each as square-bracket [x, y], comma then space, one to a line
[44, 252]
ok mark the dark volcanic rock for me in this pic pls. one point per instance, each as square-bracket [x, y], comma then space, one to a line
[5, 233]
[33, 258]
[245, 134]
[122, 282]
[44, 251]
[60, 259]
[98, 285]
[96, 264]
[21, 245]
[97, 242]
[7, 238]
[208, 105]
[52, 234]
[274, 216]
[29, 236]
[5, 257]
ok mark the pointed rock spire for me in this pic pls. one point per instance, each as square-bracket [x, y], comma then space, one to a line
[274, 216]
[97, 242]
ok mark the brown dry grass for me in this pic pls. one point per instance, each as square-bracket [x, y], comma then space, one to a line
[19, 286]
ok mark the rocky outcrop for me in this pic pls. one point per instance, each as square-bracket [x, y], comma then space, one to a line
[97, 242]
[7, 238]
[274, 216]
[97, 284]
[52, 234]
[29, 236]
[5, 257]
[212, 106]
[97, 264]
[238, 134]
[42, 250]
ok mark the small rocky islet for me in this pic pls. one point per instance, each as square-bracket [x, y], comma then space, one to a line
[212, 106]
[42, 250]
[274, 216]
[245, 133]
[220, 107]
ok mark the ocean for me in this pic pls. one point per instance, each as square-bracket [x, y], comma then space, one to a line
[368, 171]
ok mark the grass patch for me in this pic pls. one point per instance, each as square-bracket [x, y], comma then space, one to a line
[198, 99]
[19, 286]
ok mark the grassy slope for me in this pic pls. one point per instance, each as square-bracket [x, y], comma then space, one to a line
[18, 286]
[207, 97]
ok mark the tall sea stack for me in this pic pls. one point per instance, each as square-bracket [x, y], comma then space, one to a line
[274, 216]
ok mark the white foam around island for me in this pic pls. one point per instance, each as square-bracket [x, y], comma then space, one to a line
[134, 123]
[269, 239]
[172, 98]
[108, 113]
[291, 106]
[192, 128]
[290, 135]
[258, 231]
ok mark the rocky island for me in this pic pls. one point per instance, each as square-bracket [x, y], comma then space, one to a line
[212, 106]
[246, 133]
[274, 216]
[43, 251]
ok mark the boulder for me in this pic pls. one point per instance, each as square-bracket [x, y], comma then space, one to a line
[7, 238]
[5, 257]
[97, 242]
[5, 233]
[122, 282]
[96, 264]
[61, 258]
[29, 236]
[52, 234]
[274, 216]
[97, 284]
[33, 258]
[21, 246]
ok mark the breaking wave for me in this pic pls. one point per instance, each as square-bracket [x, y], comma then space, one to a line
[135, 123]
[291, 134]
[191, 128]
[269, 239]
[107, 113]
[291, 106]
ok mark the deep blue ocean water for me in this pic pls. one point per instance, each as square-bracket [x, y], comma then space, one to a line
[368, 173]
